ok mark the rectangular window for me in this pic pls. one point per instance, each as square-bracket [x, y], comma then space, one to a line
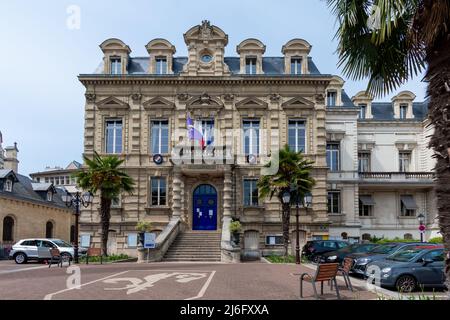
[331, 98]
[250, 192]
[250, 65]
[47, 180]
[404, 161]
[158, 191]
[363, 161]
[403, 111]
[274, 240]
[160, 137]
[333, 156]
[161, 65]
[8, 185]
[364, 210]
[67, 180]
[296, 65]
[408, 206]
[362, 111]
[251, 137]
[38, 179]
[207, 129]
[296, 135]
[334, 202]
[132, 240]
[116, 202]
[113, 136]
[116, 65]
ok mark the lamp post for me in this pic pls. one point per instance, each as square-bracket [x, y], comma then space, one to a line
[286, 199]
[421, 218]
[70, 200]
[307, 200]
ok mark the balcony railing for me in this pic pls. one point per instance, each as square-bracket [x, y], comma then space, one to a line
[397, 175]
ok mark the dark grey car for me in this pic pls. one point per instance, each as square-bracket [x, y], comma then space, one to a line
[411, 268]
[361, 260]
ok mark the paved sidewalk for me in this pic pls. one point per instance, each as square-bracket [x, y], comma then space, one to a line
[244, 281]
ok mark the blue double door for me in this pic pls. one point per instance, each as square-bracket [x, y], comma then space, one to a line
[205, 208]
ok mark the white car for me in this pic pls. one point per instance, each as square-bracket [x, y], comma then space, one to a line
[39, 249]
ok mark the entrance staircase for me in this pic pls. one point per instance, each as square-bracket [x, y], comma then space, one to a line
[195, 246]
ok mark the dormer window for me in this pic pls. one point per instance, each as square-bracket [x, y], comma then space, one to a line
[403, 111]
[250, 65]
[331, 98]
[49, 196]
[161, 65]
[116, 65]
[8, 185]
[296, 65]
[362, 111]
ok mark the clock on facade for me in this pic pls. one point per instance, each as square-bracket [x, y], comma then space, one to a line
[206, 58]
[158, 159]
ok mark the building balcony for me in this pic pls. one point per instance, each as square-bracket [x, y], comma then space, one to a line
[402, 179]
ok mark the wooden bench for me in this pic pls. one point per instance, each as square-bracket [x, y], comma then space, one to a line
[324, 272]
[344, 270]
[55, 254]
[94, 252]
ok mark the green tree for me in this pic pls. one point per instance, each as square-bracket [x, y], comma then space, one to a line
[104, 175]
[390, 41]
[293, 175]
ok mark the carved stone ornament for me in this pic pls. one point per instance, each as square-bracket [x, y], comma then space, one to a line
[228, 97]
[274, 97]
[205, 98]
[320, 98]
[183, 96]
[206, 30]
[136, 97]
[90, 97]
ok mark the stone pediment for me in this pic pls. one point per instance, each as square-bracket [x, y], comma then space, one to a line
[251, 103]
[158, 103]
[112, 103]
[297, 102]
[204, 101]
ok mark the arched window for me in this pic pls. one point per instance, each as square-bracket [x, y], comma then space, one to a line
[366, 236]
[408, 236]
[8, 229]
[49, 229]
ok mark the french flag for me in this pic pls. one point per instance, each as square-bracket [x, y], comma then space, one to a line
[193, 133]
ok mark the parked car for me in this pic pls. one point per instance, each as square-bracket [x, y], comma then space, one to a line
[314, 248]
[410, 268]
[339, 255]
[361, 260]
[39, 249]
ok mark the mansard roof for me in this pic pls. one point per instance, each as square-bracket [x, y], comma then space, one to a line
[384, 111]
[271, 66]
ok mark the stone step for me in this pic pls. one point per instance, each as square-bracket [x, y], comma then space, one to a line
[195, 246]
[193, 256]
[193, 259]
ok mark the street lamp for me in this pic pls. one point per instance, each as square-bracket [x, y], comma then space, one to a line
[286, 197]
[421, 219]
[70, 200]
[307, 201]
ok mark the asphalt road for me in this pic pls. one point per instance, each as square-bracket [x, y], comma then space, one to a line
[166, 281]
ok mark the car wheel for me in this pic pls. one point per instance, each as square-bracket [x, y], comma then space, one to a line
[20, 258]
[406, 284]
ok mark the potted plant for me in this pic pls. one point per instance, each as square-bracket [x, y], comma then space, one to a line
[235, 228]
[142, 227]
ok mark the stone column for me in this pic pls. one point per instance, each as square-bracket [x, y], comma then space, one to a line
[227, 203]
[176, 197]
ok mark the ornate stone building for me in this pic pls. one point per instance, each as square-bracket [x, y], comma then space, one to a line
[246, 107]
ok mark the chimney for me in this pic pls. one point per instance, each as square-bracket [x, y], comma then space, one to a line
[11, 161]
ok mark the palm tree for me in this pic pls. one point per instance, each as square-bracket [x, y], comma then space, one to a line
[392, 41]
[104, 175]
[293, 176]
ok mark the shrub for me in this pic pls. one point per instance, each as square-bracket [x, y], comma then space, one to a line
[435, 240]
[143, 226]
[235, 226]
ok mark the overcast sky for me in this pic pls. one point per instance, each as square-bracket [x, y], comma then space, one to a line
[42, 102]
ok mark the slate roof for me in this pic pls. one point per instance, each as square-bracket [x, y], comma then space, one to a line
[271, 65]
[23, 190]
[384, 111]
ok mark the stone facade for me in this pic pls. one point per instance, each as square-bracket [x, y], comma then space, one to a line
[128, 97]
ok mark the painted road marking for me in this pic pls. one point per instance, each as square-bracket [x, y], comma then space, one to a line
[22, 269]
[50, 295]
[137, 284]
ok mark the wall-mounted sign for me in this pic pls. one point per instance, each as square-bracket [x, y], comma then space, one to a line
[158, 159]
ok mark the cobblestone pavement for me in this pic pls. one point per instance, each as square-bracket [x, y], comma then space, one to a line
[244, 281]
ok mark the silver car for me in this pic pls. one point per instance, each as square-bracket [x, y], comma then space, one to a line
[39, 249]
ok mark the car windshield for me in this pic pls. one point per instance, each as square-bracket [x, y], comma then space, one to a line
[61, 243]
[384, 249]
[406, 255]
